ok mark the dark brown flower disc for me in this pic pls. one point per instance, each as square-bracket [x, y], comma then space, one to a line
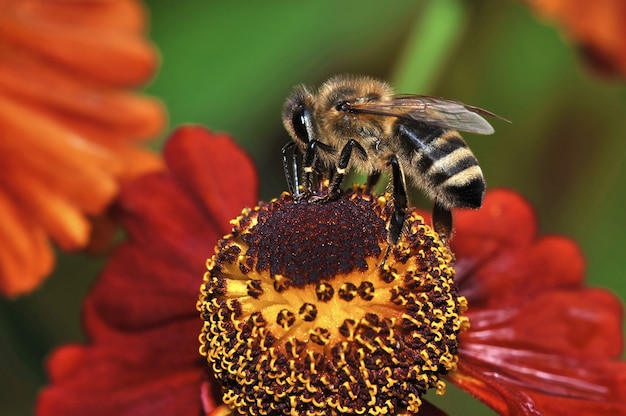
[308, 311]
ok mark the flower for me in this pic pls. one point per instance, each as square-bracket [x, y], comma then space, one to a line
[540, 342]
[598, 27]
[69, 124]
[309, 309]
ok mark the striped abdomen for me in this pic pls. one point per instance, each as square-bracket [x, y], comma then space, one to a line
[443, 165]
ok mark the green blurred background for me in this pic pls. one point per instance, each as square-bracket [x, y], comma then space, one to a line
[230, 66]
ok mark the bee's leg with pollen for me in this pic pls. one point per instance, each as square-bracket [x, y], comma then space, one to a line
[290, 165]
[342, 166]
[442, 220]
[400, 200]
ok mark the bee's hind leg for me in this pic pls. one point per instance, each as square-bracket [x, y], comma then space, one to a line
[372, 181]
[342, 166]
[442, 221]
[400, 200]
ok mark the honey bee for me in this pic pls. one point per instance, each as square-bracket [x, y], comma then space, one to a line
[358, 122]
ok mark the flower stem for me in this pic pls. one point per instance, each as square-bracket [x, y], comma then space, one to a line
[436, 30]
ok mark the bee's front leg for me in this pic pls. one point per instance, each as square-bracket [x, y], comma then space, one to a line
[290, 165]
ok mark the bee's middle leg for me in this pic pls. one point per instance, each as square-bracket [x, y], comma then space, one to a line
[400, 200]
[311, 163]
[342, 166]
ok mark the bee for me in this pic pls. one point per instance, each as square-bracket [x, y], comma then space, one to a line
[358, 122]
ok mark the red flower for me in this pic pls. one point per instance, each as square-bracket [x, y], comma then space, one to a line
[539, 343]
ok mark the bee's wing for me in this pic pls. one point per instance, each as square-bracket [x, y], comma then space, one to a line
[441, 112]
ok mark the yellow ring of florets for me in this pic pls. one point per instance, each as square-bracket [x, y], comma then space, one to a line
[372, 339]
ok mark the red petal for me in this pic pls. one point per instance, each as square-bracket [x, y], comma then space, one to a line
[159, 291]
[211, 396]
[498, 259]
[592, 389]
[141, 318]
[172, 234]
[505, 221]
[500, 397]
[559, 344]
[124, 15]
[552, 405]
[211, 168]
[119, 381]
[510, 276]
[582, 323]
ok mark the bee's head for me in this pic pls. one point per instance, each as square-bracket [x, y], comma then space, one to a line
[297, 117]
[340, 97]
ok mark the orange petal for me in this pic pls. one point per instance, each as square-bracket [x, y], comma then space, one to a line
[598, 27]
[104, 53]
[59, 217]
[137, 162]
[122, 15]
[25, 255]
[40, 147]
[112, 111]
[67, 123]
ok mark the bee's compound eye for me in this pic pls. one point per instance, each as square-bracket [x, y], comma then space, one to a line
[300, 119]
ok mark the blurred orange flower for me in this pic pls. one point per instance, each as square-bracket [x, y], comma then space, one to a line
[68, 124]
[598, 27]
